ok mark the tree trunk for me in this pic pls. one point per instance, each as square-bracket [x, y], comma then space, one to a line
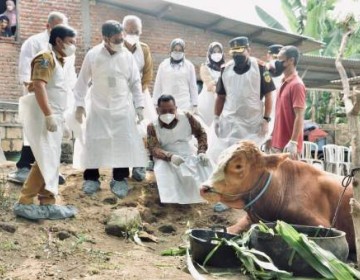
[352, 107]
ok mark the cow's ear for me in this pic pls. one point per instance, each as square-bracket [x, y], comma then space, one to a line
[273, 161]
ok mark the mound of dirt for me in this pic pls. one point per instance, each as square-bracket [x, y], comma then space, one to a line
[79, 248]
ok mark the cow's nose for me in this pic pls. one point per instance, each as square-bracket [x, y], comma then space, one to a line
[205, 188]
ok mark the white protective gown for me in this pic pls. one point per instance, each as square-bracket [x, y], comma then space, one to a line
[179, 184]
[178, 80]
[111, 138]
[207, 99]
[149, 109]
[29, 49]
[242, 114]
[45, 145]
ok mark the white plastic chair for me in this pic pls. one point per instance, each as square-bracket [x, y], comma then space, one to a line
[344, 163]
[334, 158]
[330, 158]
[307, 155]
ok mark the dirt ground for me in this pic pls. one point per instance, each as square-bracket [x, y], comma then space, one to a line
[34, 250]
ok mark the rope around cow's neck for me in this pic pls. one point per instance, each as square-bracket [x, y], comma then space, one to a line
[255, 186]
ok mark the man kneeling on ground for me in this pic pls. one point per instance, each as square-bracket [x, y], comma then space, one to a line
[179, 171]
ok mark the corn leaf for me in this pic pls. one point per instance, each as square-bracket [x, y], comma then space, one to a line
[323, 261]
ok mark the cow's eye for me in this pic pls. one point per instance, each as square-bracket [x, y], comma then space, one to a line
[238, 166]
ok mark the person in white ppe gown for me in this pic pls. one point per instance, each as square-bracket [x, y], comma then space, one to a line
[209, 74]
[29, 49]
[240, 112]
[41, 112]
[141, 52]
[176, 76]
[111, 138]
[179, 168]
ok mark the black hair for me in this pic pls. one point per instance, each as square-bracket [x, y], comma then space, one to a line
[291, 52]
[165, 98]
[4, 17]
[111, 27]
[61, 31]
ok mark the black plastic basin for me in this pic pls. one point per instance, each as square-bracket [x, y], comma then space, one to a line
[202, 241]
[279, 251]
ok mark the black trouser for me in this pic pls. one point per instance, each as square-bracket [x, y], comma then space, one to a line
[26, 158]
[119, 174]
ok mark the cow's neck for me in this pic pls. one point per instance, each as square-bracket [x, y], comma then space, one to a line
[268, 206]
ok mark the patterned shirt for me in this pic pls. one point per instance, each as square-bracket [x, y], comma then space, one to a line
[154, 145]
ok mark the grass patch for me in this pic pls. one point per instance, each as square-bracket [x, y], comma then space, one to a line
[8, 246]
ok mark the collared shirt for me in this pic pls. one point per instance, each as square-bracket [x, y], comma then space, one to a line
[154, 145]
[292, 94]
[147, 71]
[266, 82]
[43, 66]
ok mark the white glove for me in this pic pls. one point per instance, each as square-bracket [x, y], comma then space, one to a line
[51, 124]
[217, 125]
[291, 148]
[195, 110]
[140, 114]
[264, 129]
[66, 132]
[80, 113]
[177, 160]
[203, 159]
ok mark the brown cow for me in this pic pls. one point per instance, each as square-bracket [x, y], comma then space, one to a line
[279, 188]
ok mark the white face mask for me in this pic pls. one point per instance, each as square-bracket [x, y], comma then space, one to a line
[116, 47]
[132, 39]
[216, 57]
[167, 118]
[177, 55]
[69, 49]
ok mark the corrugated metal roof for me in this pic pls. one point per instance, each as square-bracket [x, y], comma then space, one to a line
[216, 23]
[319, 72]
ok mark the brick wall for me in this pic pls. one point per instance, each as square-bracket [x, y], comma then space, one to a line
[87, 16]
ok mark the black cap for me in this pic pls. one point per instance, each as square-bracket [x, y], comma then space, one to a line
[275, 49]
[239, 44]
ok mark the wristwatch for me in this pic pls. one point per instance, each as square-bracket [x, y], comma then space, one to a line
[268, 119]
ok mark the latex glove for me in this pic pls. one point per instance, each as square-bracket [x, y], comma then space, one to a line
[66, 132]
[217, 125]
[140, 114]
[264, 129]
[267, 145]
[80, 113]
[203, 159]
[195, 110]
[51, 124]
[212, 86]
[177, 160]
[291, 148]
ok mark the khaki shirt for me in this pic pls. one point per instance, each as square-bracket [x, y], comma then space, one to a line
[42, 68]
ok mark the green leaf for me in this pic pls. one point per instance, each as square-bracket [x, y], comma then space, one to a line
[268, 19]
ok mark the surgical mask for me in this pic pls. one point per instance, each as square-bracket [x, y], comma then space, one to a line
[239, 60]
[177, 55]
[132, 39]
[10, 8]
[279, 68]
[216, 57]
[167, 118]
[69, 49]
[116, 47]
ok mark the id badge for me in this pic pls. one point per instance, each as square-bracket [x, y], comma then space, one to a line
[111, 82]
